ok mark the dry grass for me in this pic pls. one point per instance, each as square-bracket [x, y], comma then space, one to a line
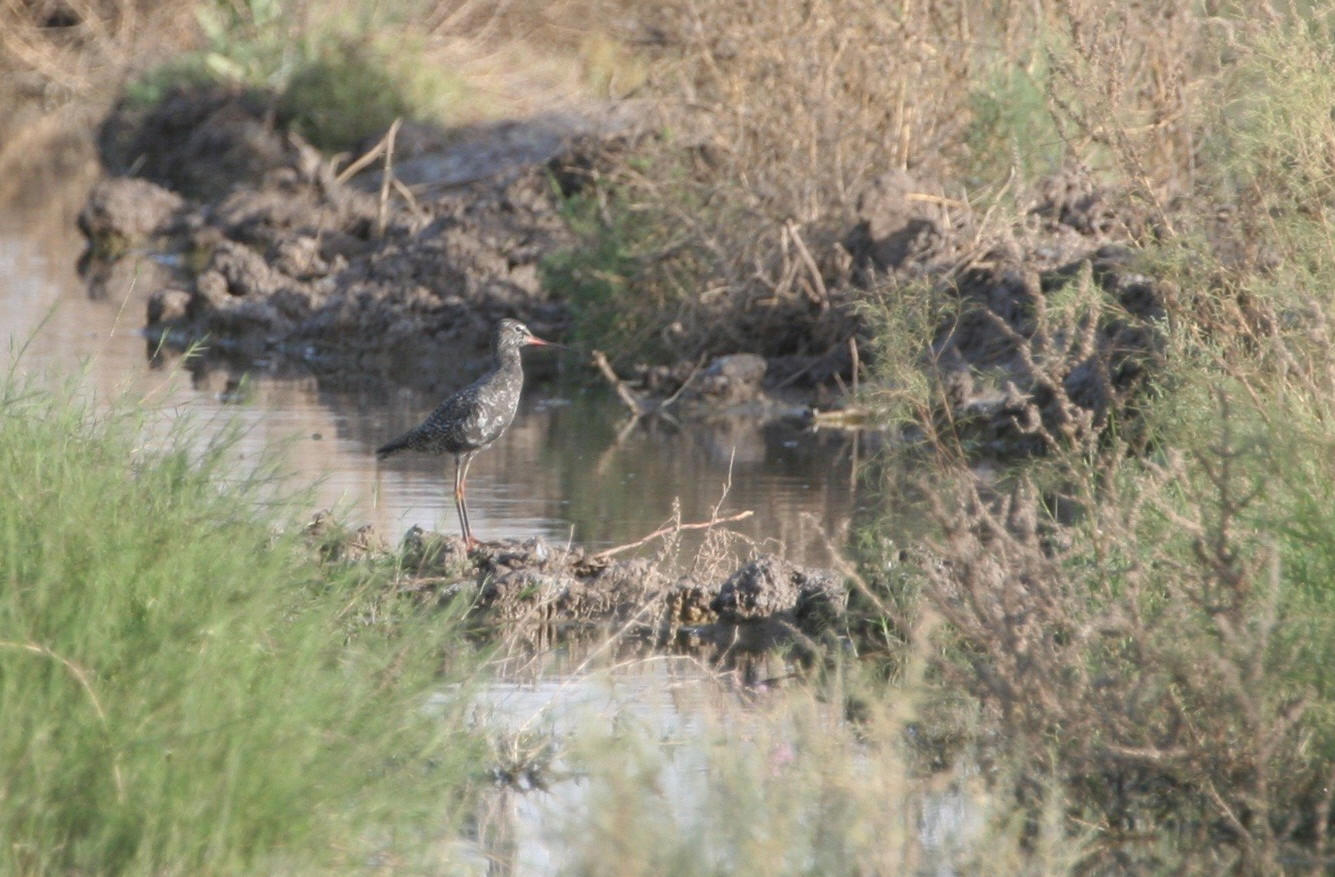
[1143, 624]
[736, 229]
[1122, 82]
[528, 57]
[778, 118]
[60, 67]
[55, 51]
[1145, 631]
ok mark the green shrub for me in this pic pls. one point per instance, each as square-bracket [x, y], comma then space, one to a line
[1011, 127]
[342, 97]
[183, 688]
[338, 77]
[628, 280]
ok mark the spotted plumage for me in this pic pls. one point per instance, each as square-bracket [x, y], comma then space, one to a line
[475, 416]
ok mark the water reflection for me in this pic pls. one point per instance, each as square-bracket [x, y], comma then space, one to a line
[689, 725]
[671, 701]
[564, 471]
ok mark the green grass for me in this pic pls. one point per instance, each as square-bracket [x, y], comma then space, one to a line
[338, 76]
[185, 688]
[631, 274]
[1011, 127]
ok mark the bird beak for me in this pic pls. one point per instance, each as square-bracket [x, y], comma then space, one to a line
[535, 341]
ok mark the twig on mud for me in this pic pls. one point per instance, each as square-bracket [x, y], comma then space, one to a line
[360, 164]
[384, 146]
[407, 195]
[665, 531]
[676, 394]
[638, 406]
[819, 295]
[382, 216]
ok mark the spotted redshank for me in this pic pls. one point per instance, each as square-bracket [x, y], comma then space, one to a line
[474, 417]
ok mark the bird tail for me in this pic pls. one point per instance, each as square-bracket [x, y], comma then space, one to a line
[391, 447]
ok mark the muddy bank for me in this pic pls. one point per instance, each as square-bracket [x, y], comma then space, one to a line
[509, 586]
[1050, 325]
[279, 254]
[276, 256]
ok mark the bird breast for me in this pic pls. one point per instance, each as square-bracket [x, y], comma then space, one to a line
[482, 412]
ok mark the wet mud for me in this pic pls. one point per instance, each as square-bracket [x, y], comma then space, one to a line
[276, 257]
[764, 603]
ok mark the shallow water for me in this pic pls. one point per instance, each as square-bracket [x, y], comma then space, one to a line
[691, 722]
[564, 471]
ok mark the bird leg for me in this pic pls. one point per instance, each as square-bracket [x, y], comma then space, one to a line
[461, 462]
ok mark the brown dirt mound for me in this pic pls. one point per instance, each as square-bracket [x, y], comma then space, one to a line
[281, 259]
[766, 603]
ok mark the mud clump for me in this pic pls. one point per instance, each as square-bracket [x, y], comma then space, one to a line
[900, 223]
[122, 212]
[1025, 377]
[282, 259]
[529, 584]
[1026, 364]
[771, 587]
[771, 601]
[1049, 327]
[201, 143]
[734, 378]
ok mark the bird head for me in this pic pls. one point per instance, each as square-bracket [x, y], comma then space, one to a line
[512, 334]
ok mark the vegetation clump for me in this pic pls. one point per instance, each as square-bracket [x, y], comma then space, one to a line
[185, 688]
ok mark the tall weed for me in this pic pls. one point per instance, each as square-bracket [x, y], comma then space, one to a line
[185, 686]
[1147, 624]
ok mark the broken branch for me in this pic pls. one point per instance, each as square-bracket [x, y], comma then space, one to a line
[636, 405]
[674, 528]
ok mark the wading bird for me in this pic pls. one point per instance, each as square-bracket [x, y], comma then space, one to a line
[474, 417]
